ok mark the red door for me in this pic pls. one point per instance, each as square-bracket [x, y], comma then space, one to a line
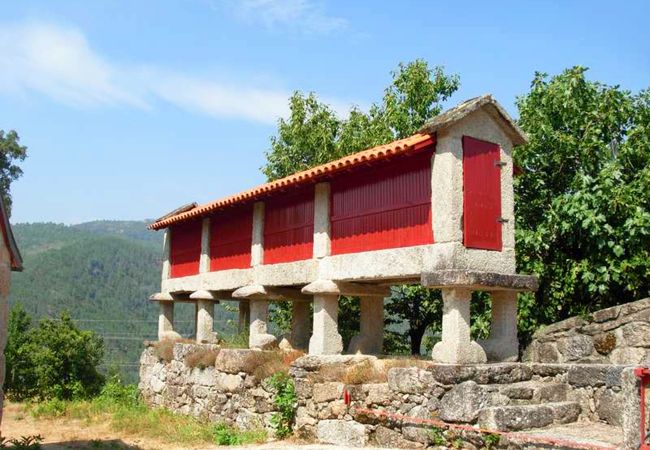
[185, 248]
[481, 194]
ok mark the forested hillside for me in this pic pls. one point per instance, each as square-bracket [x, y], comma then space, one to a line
[101, 273]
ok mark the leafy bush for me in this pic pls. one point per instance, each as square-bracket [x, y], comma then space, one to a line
[285, 400]
[227, 435]
[53, 360]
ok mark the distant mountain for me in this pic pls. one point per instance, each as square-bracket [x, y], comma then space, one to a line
[102, 273]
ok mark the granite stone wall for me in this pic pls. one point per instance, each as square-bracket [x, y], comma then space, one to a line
[229, 391]
[509, 397]
[617, 335]
[513, 397]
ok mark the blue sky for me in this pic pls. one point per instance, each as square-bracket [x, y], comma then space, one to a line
[131, 108]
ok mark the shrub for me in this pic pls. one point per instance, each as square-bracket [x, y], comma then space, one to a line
[227, 435]
[164, 350]
[285, 401]
[201, 358]
[53, 360]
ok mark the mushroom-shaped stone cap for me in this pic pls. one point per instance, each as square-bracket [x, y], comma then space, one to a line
[202, 295]
[252, 290]
[161, 297]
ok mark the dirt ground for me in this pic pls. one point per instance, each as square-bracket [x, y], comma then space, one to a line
[61, 434]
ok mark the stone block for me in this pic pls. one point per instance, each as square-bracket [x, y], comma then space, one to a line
[605, 315]
[575, 347]
[502, 373]
[325, 392]
[463, 402]
[628, 356]
[235, 361]
[609, 407]
[377, 394]
[565, 412]
[549, 370]
[604, 343]
[385, 437]
[637, 334]
[515, 418]
[410, 380]
[342, 433]
[587, 375]
[452, 373]
[228, 383]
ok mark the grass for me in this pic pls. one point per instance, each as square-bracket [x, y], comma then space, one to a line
[201, 358]
[120, 405]
[237, 340]
[366, 371]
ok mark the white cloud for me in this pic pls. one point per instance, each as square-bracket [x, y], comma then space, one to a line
[304, 15]
[220, 100]
[59, 63]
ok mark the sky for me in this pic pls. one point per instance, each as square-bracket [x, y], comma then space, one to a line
[132, 108]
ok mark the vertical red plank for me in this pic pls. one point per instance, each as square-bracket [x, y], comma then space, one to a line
[185, 249]
[481, 194]
[289, 227]
[231, 234]
[383, 206]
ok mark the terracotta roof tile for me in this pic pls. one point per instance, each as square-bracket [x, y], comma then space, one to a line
[408, 145]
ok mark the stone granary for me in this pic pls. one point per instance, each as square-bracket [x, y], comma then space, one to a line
[10, 260]
[435, 208]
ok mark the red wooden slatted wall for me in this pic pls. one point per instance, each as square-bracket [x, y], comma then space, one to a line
[289, 227]
[481, 194]
[384, 206]
[231, 235]
[185, 248]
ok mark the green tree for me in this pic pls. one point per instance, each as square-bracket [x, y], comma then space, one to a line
[53, 360]
[10, 152]
[582, 201]
[314, 135]
[306, 139]
[18, 373]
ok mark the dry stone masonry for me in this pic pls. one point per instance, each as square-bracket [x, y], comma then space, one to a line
[617, 335]
[509, 396]
[515, 397]
[228, 391]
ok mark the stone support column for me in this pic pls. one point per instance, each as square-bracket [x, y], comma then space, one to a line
[258, 337]
[326, 339]
[456, 346]
[166, 322]
[370, 339]
[204, 261]
[205, 321]
[503, 345]
[167, 248]
[300, 325]
[244, 316]
[322, 242]
[257, 249]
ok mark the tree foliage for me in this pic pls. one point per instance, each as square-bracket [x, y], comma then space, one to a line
[53, 360]
[582, 201]
[313, 135]
[10, 152]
